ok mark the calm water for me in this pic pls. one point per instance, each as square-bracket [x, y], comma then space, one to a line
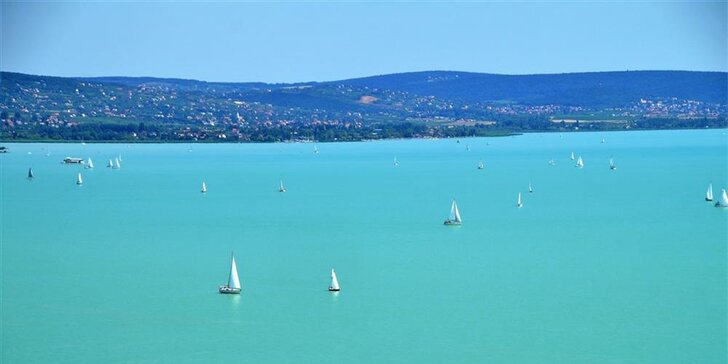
[599, 266]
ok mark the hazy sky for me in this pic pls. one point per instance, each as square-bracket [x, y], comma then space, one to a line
[294, 41]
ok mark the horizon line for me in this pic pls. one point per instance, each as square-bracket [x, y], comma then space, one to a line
[361, 77]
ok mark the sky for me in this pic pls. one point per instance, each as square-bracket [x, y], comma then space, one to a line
[324, 41]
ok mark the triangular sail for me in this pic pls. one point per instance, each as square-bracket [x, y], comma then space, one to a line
[572, 156]
[204, 187]
[30, 172]
[117, 165]
[709, 194]
[580, 163]
[454, 212]
[110, 164]
[79, 179]
[723, 200]
[334, 285]
[518, 201]
[90, 163]
[234, 281]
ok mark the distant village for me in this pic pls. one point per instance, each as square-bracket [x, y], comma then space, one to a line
[66, 109]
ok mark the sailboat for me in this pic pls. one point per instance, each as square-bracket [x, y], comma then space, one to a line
[723, 202]
[204, 187]
[119, 158]
[233, 285]
[89, 163]
[572, 156]
[530, 189]
[282, 188]
[30, 173]
[519, 203]
[334, 285]
[79, 179]
[396, 163]
[708, 195]
[580, 163]
[612, 166]
[110, 164]
[454, 218]
[604, 140]
[315, 150]
[117, 165]
[481, 165]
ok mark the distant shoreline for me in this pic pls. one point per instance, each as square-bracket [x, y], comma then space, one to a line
[10, 141]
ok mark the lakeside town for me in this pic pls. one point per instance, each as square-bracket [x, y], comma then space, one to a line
[55, 109]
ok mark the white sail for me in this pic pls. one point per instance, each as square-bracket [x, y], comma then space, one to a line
[204, 188]
[395, 162]
[315, 150]
[89, 163]
[79, 179]
[530, 189]
[334, 285]
[723, 202]
[30, 172]
[709, 194]
[110, 164]
[518, 201]
[611, 164]
[234, 281]
[580, 163]
[454, 212]
[572, 156]
[481, 165]
[282, 188]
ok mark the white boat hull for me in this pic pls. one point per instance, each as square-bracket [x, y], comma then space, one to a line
[228, 290]
[452, 223]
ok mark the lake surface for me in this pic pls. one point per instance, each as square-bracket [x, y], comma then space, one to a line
[598, 266]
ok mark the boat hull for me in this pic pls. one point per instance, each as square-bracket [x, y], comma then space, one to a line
[452, 223]
[228, 290]
[334, 289]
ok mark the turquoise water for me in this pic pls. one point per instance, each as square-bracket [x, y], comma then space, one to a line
[599, 266]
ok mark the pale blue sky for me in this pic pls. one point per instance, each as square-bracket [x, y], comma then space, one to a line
[293, 41]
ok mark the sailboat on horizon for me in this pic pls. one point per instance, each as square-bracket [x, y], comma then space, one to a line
[233, 285]
[454, 218]
[709, 193]
[334, 285]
